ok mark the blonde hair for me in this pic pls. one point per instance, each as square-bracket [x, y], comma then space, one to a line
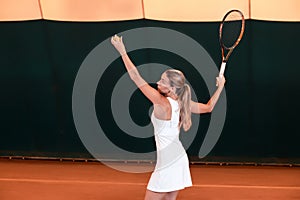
[183, 91]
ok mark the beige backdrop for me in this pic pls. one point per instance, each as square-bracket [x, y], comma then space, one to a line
[166, 10]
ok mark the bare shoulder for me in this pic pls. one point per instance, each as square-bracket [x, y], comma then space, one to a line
[163, 110]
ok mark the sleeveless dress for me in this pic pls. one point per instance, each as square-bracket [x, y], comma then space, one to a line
[172, 171]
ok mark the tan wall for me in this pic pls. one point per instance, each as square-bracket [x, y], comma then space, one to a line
[275, 10]
[192, 10]
[14, 10]
[92, 10]
[166, 10]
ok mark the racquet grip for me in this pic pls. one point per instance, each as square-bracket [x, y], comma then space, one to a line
[222, 70]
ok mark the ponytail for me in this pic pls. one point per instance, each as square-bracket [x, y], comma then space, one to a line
[183, 91]
[184, 100]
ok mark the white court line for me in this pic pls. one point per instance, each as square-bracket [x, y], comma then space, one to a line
[251, 187]
[67, 181]
[143, 184]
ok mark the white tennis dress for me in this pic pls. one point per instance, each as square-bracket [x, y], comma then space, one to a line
[172, 171]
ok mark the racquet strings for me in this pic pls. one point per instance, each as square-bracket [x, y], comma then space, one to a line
[231, 29]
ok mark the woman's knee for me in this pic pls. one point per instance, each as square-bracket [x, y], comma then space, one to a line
[171, 195]
[150, 195]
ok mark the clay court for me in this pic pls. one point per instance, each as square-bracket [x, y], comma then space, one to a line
[47, 180]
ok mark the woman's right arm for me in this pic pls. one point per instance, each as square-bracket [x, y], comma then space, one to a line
[200, 108]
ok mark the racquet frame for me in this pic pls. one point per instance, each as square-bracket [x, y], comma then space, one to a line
[229, 49]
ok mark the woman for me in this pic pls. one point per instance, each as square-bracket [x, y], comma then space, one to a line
[172, 110]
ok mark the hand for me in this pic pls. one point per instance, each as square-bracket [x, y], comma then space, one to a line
[220, 81]
[118, 44]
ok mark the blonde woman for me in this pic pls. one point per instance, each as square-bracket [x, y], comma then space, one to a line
[172, 111]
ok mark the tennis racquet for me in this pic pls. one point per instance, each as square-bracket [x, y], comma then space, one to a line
[230, 34]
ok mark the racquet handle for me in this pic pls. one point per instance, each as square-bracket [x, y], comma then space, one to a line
[222, 70]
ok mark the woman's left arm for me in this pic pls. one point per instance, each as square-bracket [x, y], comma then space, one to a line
[152, 94]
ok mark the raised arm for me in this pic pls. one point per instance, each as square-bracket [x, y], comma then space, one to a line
[152, 94]
[199, 108]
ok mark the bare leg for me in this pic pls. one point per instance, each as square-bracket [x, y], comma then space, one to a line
[171, 195]
[150, 195]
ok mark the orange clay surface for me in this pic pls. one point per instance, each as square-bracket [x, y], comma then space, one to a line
[54, 180]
